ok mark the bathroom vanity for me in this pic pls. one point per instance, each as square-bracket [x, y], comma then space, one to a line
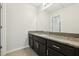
[54, 44]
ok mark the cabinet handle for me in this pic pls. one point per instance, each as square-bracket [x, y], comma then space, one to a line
[56, 46]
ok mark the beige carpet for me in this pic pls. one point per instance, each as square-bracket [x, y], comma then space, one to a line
[23, 52]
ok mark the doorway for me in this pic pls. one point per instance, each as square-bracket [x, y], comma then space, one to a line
[56, 24]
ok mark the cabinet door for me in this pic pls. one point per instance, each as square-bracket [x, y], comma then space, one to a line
[36, 47]
[64, 49]
[51, 52]
[30, 41]
[42, 50]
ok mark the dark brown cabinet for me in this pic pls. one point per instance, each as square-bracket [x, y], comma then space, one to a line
[47, 47]
[65, 50]
[51, 52]
[31, 43]
[42, 50]
[36, 46]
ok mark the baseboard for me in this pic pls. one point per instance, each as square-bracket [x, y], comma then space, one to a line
[16, 49]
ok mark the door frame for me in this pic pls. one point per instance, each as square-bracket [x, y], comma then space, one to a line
[3, 30]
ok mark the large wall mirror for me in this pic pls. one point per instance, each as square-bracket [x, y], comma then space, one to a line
[59, 17]
[64, 17]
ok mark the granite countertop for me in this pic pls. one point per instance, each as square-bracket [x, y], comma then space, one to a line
[71, 41]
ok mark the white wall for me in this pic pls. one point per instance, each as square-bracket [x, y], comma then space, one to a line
[69, 18]
[42, 21]
[20, 18]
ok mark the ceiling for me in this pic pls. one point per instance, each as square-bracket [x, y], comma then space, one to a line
[52, 7]
[37, 5]
[57, 6]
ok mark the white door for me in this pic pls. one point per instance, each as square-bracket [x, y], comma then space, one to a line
[56, 24]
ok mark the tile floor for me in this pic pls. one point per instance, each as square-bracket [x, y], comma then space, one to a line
[23, 52]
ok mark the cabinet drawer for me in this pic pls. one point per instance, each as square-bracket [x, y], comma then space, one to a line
[51, 52]
[40, 39]
[64, 49]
